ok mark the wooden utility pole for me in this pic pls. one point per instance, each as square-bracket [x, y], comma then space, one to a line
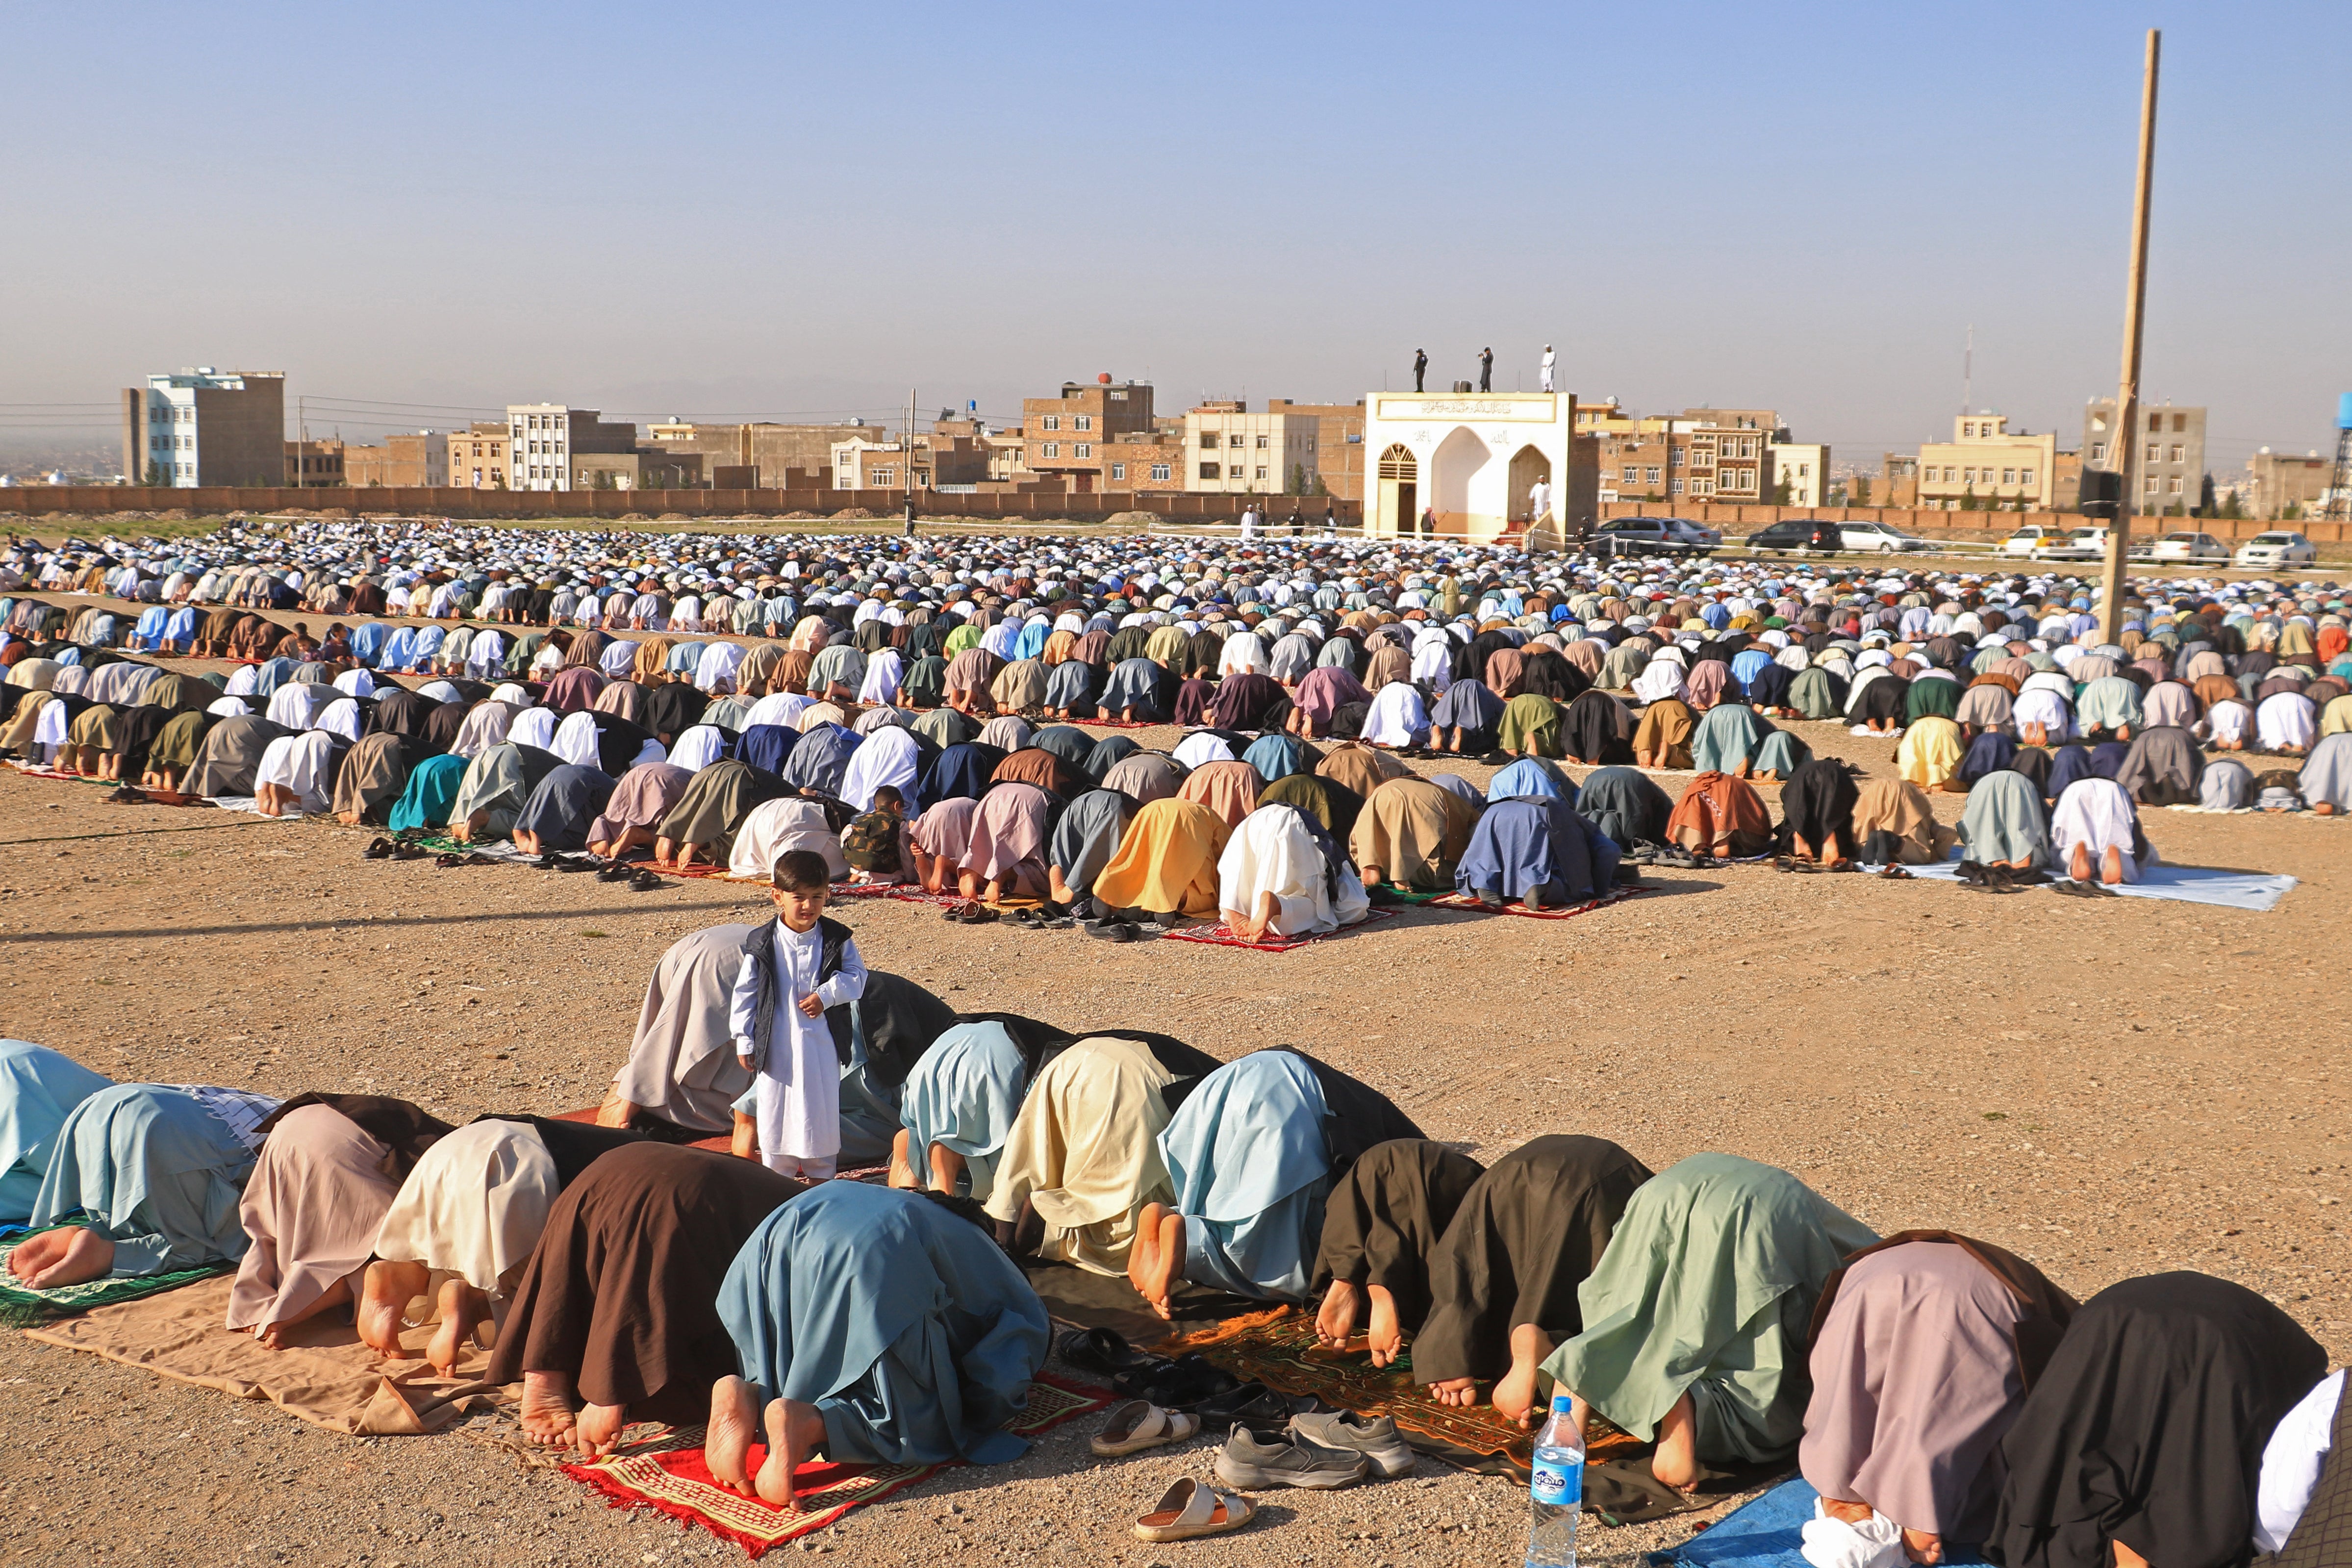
[2125, 443]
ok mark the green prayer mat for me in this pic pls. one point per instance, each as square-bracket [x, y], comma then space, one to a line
[21, 1307]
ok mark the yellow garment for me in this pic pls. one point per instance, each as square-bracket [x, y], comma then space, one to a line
[2335, 718]
[1414, 831]
[1931, 751]
[1893, 805]
[1084, 1152]
[1667, 727]
[1167, 860]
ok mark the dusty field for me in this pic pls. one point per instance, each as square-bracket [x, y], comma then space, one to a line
[2108, 1089]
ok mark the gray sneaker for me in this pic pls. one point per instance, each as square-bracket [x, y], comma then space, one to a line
[1344, 1432]
[1252, 1464]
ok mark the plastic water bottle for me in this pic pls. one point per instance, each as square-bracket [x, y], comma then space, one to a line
[1556, 1489]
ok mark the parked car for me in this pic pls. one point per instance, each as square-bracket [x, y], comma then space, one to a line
[2030, 539]
[1781, 538]
[1882, 539]
[2276, 550]
[1654, 536]
[2189, 547]
[2074, 544]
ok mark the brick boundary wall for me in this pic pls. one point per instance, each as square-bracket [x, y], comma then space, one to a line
[468, 505]
[1981, 526]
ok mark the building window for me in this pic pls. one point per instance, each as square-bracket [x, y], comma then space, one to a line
[1209, 441]
[1051, 422]
[1160, 472]
[2098, 451]
[1677, 487]
[1261, 474]
[1119, 470]
[1236, 441]
[1082, 422]
[2176, 452]
[1085, 449]
[2151, 484]
[2180, 422]
[2155, 424]
[2025, 477]
[2176, 487]
[1650, 476]
[1676, 457]
[1209, 470]
[2008, 475]
[1051, 449]
[1261, 446]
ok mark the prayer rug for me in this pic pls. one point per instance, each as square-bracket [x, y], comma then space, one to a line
[1120, 724]
[1764, 1533]
[36, 771]
[2177, 884]
[1222, 935]
[324, 1375]
[21, 1306]
[1468, 905]
[1278, 1349]
[668, 1472]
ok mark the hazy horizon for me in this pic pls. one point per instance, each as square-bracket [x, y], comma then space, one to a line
[731, 212]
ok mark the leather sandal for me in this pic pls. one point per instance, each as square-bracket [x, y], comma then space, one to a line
[1135, 1424]
[377, 849]
[645, 881]
[1192, 1509]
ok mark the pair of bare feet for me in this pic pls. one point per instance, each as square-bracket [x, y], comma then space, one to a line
[1254, 926]
[552, 1416]
[795, 1431]
[1345, 1305]
[1919, 1546]
[2111, 871]
[71, 1255]
[386, 1290]
[1514, 1393]
[947, 1165]
[1156, 1262]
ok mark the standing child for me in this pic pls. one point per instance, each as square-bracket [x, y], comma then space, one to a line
[793, 968]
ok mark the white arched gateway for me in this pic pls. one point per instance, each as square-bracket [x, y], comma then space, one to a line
[1467, 465]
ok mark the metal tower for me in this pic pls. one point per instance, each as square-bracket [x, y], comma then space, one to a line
[2339, 484]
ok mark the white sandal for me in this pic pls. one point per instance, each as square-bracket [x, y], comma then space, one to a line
[1191, 1511]
[1136, 1425]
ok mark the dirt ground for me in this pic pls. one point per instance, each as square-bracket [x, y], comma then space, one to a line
[2108, 1089]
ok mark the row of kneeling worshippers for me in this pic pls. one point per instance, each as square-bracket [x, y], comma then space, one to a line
[1937, 1390]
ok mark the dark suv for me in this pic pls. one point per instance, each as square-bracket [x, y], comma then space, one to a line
[1652, 536]
[1782, 538]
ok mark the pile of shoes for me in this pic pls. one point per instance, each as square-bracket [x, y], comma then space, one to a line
[1999, 879]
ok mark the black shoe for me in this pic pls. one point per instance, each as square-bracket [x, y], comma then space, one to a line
[377, 849]
[645, 881]
[1253, 1406]
[1102, 1350]
[614, 872]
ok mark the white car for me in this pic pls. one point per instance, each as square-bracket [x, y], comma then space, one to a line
[2276, 550]
[2074, 544]
[2189, 547]
[2031, 540]
[1880, 538]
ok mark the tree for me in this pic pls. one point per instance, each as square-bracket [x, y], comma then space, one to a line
[2232, 508]
[156, 477]
[1297, 479]
[1782, 490]
[1320, 487]
[1861, 489]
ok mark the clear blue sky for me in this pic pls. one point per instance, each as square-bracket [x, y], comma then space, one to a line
[730, 210]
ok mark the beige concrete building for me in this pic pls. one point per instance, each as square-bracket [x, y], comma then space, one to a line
[1802, 467]
[1228, 450]
[545, 436]
[1472, 465]
[478, 456]
[2170, 453]
[314, 465]
[1990, 462]
[2277, 483]
[1338, 468]
[403, 461]
[646, 469]
[761, 456]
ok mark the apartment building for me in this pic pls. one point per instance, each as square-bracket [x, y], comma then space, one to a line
[1989, 464]
[1228, 450]
[2170, 453]
[1798, 473]
[314, 465]
[546, 436]
[2278, 484]
[1676, 457]
[478, 456]
[1339, 443]
[206, 427]
[762, 455]
[403, 461]
[1064, 437]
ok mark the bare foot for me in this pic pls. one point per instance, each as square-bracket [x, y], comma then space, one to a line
[385, 1295]
[1848, 1513]
[902, 1174]
[1922, 1547]
[77, 1256]
[462, 1309]
[1675, 1462]
[547, 1413]
[794, 1430]
[598, 1428]
[743, 1143]
[2078, 864]
[727, 1441]
[1386, 1335]
[1336, 1321]
[1514, 1396]
[616, 1112]
[1167, 1265]
[2112, 873]
[1459, 1392]
[1142, 1257]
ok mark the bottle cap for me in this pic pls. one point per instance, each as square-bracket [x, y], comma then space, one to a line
[1563, 1403]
